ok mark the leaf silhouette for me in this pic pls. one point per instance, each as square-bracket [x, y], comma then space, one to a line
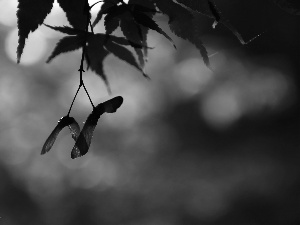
[206, 8]
[214, 11]
[103, 10]
[126, 42]
[133, 32]
[76, 12]
[140, 56]
[123, 54]
[84, 140]
[144, 41]
[111, 23]
[151, 11]
[67, 44]
[217, 16]
[149, 4]
[62, 123]
[30, 14]
[66, 30]
[122, 15]
[146, 21]
[199, 6]
[234, 31]
[112, 19]
[138, 7]
[95, 55]
[184, 24]
[195, 38]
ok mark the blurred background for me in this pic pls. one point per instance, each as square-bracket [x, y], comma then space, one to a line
[190, 146]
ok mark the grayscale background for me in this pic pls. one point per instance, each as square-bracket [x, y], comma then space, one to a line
[188, 147]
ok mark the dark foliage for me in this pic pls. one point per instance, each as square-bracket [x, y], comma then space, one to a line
[31, 15]
[135, 19]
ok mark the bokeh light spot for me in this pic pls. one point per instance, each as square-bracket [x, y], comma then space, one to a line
[99, 171]
[35, 47]
[8, 18]
[192, 76]
[22, 138]
[13, 95]
[208, 200]
[266, 88]
[221, 108]
[139, 103]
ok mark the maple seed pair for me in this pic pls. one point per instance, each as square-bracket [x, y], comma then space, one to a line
[82, 138]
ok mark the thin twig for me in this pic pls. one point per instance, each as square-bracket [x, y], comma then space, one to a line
[74, 99]
[81, 70]
[95, 4]
[88, 95]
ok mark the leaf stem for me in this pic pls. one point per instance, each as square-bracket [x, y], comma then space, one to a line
[83, 54]
[81, 70]
[95, 4]
[88, 95]
[74, 100]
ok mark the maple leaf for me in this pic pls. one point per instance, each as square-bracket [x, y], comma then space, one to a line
[132, 31]
[84, 140]
[215, 12]
[209, 9]
[135, 32]
[95, 55]
[111, 23]
[77, 12]
[205, 7]
[123, 54]
[62, 123]
[112, 18]
[144, 30]
[67, 44]
[235, 32]
[183, 24]
[100, 45]
[217, 16]
[66, 29]
[31, 14]
[103, 10]
[129, 27]
[126, 42]
[146, 21]
[130, 17]
[145, 3]
[200, 6]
